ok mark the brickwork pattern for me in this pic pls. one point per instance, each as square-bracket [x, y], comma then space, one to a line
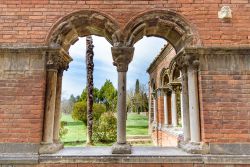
[22, 87]
[225, 106]
[29, 21]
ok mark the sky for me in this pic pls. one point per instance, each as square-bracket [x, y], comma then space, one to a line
[74, 80]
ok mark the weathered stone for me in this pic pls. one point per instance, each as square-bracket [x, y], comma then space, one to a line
[50, 148]
[118, 148]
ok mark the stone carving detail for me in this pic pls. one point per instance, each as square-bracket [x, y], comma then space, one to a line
[58, 61]
[159, 23]
[122, 56]
[225, 13]
[81, 24]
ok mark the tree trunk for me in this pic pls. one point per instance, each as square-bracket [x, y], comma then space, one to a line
[90, 69]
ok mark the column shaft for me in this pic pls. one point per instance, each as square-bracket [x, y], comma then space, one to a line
[155, 110]
[185, 106]
[121, 114]
[58, 107]
[193, 104]
[165, 109]
[50, 106]
[174, 108]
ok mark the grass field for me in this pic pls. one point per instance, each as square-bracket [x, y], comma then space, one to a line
[76, 136]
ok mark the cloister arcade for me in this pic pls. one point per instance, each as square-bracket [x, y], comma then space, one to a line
[165, 24]
[205, 65]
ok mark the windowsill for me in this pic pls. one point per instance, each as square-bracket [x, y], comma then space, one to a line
[139, 155]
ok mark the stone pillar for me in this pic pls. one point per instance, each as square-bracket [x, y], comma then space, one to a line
[55, 61]
[174, 107]
[193, 101]
[149, 109]
[58, 107]
[50, 105]
[155, 109]
[122, 56]
[185, 104]
[165, 109]
[181, 108]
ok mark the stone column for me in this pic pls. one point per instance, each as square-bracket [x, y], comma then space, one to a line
[122, 56]
[181, 108]
[174, 107]
[155, 109]
[193, 101]
[58, 106]
[55, 60]
[50, 105]
[165, 103]
[149, 109]
[185, 104]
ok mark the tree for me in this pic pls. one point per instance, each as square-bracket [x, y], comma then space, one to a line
[80, 111]
[83, 96]
[108, 96]
[137, 86]
[90, 99]
[138, 99]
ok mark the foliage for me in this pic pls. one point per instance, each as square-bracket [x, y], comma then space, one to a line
[63, 131]
[108, 96]
[137, 100]
[105, 128]
[76, 136]
[66, 106]
[83, 96]
[80, 111]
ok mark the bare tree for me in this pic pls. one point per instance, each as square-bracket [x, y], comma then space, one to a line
[90, 86]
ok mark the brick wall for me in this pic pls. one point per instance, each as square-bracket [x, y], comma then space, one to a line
[22, 88]
[29, 21]
[224, 99]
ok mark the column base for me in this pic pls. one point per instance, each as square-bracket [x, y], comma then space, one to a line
[50, 148]
[121, 148]
[194, 147]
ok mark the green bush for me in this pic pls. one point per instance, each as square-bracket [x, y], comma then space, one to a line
[80, 111]
[105, 128]
[63, 130]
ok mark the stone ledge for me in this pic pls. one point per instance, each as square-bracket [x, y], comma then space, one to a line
[21, 158]
[139, 155]
[230, 149]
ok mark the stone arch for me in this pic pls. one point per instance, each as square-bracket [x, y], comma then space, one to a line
[66, 31]
[166, 24]
[175, 72]
[164, 77]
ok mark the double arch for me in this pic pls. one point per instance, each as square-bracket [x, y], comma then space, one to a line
[166, 24]
[160, 23]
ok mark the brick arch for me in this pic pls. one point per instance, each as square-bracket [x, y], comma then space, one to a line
[66, 31]
[166, 24]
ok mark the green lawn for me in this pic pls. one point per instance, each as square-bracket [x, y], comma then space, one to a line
[76, 136]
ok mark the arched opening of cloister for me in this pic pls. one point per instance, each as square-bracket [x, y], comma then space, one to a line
[167, 25]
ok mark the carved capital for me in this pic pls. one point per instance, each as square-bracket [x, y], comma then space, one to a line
[176, 87]
[122, 56]
[185, 61]
[58, 60]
